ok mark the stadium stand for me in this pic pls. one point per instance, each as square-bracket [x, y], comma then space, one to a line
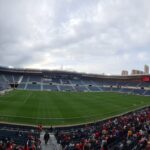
[66, 88]
[50, 87]
[93, 88]
[126, 90]
[133, 84]
[127, 132]
[14, 137]
[33, 87]
[139, 91]
[107, 89]
[56, 80]
[35, 79]
[86, 82]
[3, 84]
[81, 89]
[147, 93]
[67, 81]
[16, 78]
[9, 78]
[76, 82]
[25, 79]
[130, 131]
[115, 89]
[21, 86]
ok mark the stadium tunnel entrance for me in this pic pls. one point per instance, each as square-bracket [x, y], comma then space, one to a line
[14, 85]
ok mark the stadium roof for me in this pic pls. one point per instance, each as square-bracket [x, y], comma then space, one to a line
[63, 72]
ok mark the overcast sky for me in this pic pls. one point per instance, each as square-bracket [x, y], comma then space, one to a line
[95, 36]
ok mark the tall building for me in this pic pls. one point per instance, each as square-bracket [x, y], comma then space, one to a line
[146, 69]
[137, 72]
[124, 73]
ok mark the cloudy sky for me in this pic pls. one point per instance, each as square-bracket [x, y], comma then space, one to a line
[95, 36]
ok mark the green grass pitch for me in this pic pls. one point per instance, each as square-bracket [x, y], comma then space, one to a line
[65, 108]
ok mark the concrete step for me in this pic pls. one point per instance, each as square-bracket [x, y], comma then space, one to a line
[52, 143]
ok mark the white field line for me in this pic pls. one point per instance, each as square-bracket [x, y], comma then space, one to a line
[26, 98]
[89, 116]
[4, 100]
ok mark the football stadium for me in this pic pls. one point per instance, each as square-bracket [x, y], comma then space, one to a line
[74, 75]
[67, 98]
[70, 101]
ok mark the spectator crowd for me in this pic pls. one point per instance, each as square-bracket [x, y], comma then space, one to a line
[10, 139]
[127, 132]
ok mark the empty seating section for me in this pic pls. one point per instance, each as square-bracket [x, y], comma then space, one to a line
[56, 80]
[147, 93]
[115, 89]
[144, 84]
[76, 82]
[87, 82]
[53, 88]
[21, 86]
[25, 78]
[121, 83]
[46, 81]
[46, 87]
[96, 83]
[65, 81]
[33, 87]
[1, 79]
[107, 89]
[126, 90]
[70, 83]
[9, 78]
[138, 91]
[54, 83]
[93, 88]
[51, 80]
[50, 87]
[81, 89]
[35, 79]
[16, 78]
[134, 84]
[1, 87]
[3, 84]
[109, 83]
[99, 83]
[66, 88]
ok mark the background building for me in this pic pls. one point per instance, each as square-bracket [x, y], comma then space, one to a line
[146, 69]
[137, 72]
[124, 73]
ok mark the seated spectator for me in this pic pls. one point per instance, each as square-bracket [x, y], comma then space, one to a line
[130, 131]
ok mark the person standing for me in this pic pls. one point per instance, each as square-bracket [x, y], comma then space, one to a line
[46, 137]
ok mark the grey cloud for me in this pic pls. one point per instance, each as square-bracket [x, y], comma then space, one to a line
[75, 34]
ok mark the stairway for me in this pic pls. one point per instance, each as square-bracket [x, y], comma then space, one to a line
[52, 143]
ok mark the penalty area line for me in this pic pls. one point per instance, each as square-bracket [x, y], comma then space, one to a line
[26, 98]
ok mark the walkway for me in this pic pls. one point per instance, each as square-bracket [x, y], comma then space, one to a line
[52, 143]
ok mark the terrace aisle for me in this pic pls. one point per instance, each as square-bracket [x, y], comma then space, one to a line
[52, 143]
